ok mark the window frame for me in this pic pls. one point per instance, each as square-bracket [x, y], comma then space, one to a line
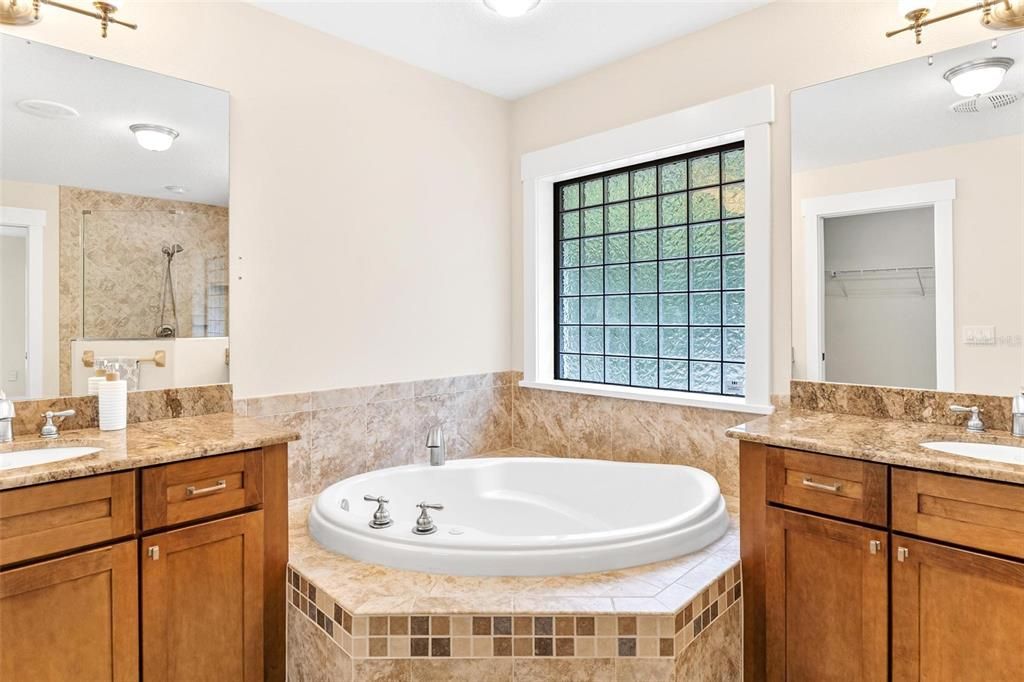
[743, 117]
[603, 175]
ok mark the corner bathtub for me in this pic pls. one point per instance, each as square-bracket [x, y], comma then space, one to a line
[524, 516]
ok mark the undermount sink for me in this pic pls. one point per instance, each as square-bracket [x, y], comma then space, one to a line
[29, 458]
[990, 451]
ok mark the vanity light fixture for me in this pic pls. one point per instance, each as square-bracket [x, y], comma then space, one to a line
[26, 12]
[511, 8]
[153, 137]
[998, 15]
[979, 76]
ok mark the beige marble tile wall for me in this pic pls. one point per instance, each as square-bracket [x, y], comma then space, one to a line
[124, 274]
[348, 431]
[576, 425]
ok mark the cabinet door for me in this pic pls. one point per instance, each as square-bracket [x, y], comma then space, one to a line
[956, 615]
[826, 599]
[74, 618]
[202, 602]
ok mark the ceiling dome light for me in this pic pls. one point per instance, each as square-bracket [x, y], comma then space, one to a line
[978, 77]
[153, 137]
[511, 8]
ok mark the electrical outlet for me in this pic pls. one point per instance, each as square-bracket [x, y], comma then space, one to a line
[980, 335]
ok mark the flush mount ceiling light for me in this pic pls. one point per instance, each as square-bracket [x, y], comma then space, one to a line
[999, 15]
[511, 8]
[979, 76]
[46, 109]
[25, 12]
[153, 137]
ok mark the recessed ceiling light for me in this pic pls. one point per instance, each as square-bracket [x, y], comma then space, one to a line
[978, 77]
[46, 109]
[175, 189]
[153, 137]
[511, 8]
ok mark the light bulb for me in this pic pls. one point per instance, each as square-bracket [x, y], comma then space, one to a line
[909, 8]
[153, 137]
[978, 77]
[511, 8]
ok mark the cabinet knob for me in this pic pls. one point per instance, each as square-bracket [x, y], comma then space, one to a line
[154, 552]
[902, 553]
[874, 546]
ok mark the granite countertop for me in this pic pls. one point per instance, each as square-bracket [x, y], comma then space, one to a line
[874, 439]
[143, 444]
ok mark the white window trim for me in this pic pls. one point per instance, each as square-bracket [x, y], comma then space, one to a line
[939, 195]
[746, 116]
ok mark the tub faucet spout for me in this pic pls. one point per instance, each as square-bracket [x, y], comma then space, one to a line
[435, 443]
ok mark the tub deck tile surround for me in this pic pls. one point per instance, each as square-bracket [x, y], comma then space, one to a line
[634, 623]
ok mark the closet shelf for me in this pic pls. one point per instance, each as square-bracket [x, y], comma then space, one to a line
[913, 272]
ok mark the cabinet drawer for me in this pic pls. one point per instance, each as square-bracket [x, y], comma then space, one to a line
[846, 488]
[56, 517]
[983, 515]
[200, 488]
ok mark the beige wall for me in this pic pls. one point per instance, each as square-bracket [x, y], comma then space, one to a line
[43, 198]
[369, 199]
[987, 243]
[786, 44]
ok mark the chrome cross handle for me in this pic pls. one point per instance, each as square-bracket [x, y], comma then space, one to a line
[381, 517]
[425, 524]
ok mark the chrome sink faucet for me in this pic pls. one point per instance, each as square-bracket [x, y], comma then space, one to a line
[435, 443]
[1018, 414]
[974, 424]
[6, 417]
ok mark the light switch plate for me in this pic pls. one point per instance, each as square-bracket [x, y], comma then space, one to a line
[980, 335]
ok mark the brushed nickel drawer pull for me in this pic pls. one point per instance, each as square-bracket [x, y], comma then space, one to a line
[874, 546]
[192, 491]
[154, 552]
[902, 553]
[834, 488]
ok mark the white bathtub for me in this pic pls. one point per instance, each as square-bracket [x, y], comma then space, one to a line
[524, 516]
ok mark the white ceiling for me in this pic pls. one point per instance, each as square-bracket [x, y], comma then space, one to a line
[900, 109]
[97, 150]
[510, 58]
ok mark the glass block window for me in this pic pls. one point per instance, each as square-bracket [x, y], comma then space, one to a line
[650, 274]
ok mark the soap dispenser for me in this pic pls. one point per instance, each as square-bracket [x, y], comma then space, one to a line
[1018, 414]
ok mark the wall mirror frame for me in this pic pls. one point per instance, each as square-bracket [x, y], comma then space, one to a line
[908, 224]
[113, 225]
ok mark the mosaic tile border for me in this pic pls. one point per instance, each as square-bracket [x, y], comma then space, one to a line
[515, 635]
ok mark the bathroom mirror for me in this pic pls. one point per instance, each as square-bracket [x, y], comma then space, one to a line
[908, 215]
[113, 224]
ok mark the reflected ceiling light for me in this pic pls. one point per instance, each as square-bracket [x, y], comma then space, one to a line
[999, 15]
[511, 8]
[46, 109]
[978, 77]
[153, 137]
[25, 12]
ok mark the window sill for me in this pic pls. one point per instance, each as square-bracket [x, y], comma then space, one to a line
[653, 395]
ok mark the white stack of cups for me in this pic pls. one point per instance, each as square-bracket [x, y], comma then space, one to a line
[113, 398]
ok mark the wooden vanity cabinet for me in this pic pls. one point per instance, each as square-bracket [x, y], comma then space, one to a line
[196, 591]
[931, 588]
[826, 599]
